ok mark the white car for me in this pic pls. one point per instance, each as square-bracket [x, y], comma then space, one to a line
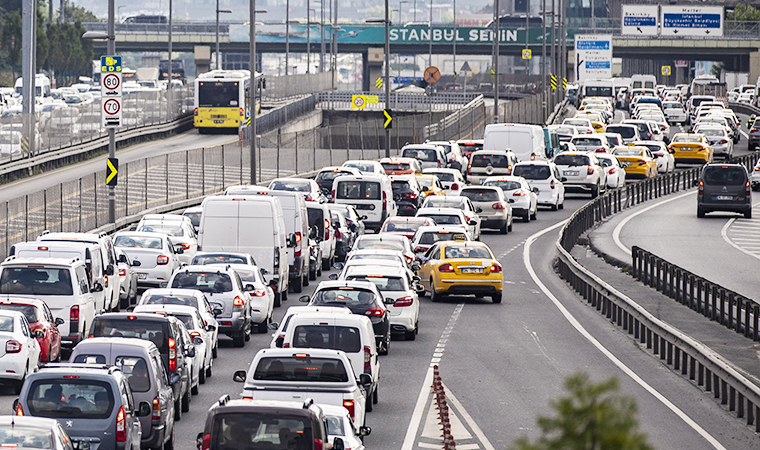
[675, 112]
[21, 353]
[458, 201]
[454, 157]
[394, 283]
[451, 179]
[156, 253]
[202, 337]
[282, 327]
[194, 214]
[451, 217]
[366, 167]
[520, 195]
[721, 143]
[185, 297]
[425, 237]
[495, 211]
[385, 242]
[666, 163]
[755, 177]
[595, 143]
[545, 176]
[179, 229]
[615, 172]
[581, 172]
[261, 297]
[309, 188]
[340, 425]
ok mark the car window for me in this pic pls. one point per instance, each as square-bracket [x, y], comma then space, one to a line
[346, 339]
[571, 160]
[425, 155]
[261, 430]
[212, 282]
[532, 172]
[70, 399]
[174, 299]
[6, 324]
[154, 227]
[380, 244]
[505, 185]
[358, 190]
[344, 296]
[305, 369]
[37, 281]
[382, 283]
[444, 219]
[485, 160]
[31, 312]
[480, 195]
[138, 242]
[218, 259]
[90, 359]
[431, 237]
[151, 330]
[466, 252]
[335, 426]
[728, 176]
[136, 371]
[21, 436]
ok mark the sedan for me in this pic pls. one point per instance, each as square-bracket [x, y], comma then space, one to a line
[179, 229]
[22, 351]
[665, 161]
[494, 209]
[385, 242]
[451, 217]
[615, 172]
[461, 268]
[344, 237]
[340, 425]
[34, 432]
[637, 161]
[40, 318]
[401, 166]
[261, 297]
[128, 274]
[157, 256]
[431, 185]
[405, 226]
[521, 198]
[719, 139]
[426, 237]
[691, 148]
[309, 188]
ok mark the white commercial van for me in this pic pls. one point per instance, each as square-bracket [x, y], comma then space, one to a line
[370, 195]
[41, 86]
[599, 88]
[249, 224]
[296, 220]
[351, 333]
[525, 141]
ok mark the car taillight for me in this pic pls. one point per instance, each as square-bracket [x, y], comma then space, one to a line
[338, 234]
[156, 409]
[642, 162]
[757, 168]
[404, 301]
[12, 346]
[185, 247]
[206, 442]
[723, 141]
[121, 426]
[195, 111]
[327, 230]
[238, 301]
[349, 405]
[409, 259]
[519, 193]
[317, 444]
[74, 313]
[385, 201]
[496, 268]
[332, 197]
[551, 184]
[446, 268]
[419, 249]
[532, 156]
[162, 260]
[105, 281]
[612, 170]
[498, 205]
[19, 410]
[701, 187]
[375, 312]
[455, 187]
[746, 185]
[242, 112]
[297, 250]
[590, 170]
[122, 272]
[195, 334]
[286, 344]
[752, 130]
[367, 358]
[172, 355]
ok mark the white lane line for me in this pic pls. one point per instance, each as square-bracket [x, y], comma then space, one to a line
[746, 136]
[625, 369]
[619, 228]
[724, 234]
[419, 408]
[473, 426]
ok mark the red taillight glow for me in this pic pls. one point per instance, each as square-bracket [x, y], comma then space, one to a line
[156, 409]
[122, 272]
[105, 281]
[19, 410]
[446, 268]
[195, 111]
[206, 442]
[172, 355]
[258, 293]
[297, 250]
[747, 186]
[327, 230]
[242, 112]
[601, 150]
[612, 170]
[701, 187]
[375, 312]
[238, 301]
[367, 358]
[551, 184]
[408, 259]
[121, 426]
[532, 156]
[74, 313]
[519, 193]
[349, 405]
[317, 444]
[12, 346]
[590, 170]
[286, 345]
[162, 260]
[455, 186]
[498, 205]
[496, 268]
[404, 301]
[385, 201]
[185, 246]
[195, 333]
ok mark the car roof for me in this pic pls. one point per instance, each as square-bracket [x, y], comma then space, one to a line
[182, 309]
[40, 422]
[70, 236]
[452, 211]
[504, 178]
[347, 283]
[10, 299]
[120, 342]
[438, 228]
[223, 267]
[382, 237]
[372, 269]
[15, 261]
[396, 219]
[141, 234]
[329, 310]
[317, 352]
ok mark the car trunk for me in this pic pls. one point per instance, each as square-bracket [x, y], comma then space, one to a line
[148, 257]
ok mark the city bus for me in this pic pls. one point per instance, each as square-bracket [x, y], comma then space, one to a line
[221, 100]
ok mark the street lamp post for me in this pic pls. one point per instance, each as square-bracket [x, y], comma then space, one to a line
[322, 36]
[496, 61]
[308, 35]
[455, 42]
[254, 85]
[118, 11]
[287, 34]
[543, 60]
[430, 28]
[527, 35]
[227, 11]
[387, 84]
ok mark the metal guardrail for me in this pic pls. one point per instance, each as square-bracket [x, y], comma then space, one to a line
[402, 101]
[450, 127]
[679, 351]
[730, 309]
[292, 85]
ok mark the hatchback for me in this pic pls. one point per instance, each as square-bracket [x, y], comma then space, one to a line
[724, 187]
[40, 318]
[544, 176]
[521, 198]
[492, 206]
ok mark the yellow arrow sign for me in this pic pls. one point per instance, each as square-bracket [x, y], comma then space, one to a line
[388, 119]
[112, 168]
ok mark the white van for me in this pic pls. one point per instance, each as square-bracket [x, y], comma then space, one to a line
[371, 195]
[41, 86]
[351, 333]
[599, 88]
[61, 283]
[525, 141]
[296, 222]
[249, 224]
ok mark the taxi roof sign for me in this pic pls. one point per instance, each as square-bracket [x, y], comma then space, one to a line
[110, 63]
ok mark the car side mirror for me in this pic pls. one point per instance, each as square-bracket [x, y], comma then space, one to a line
[15, 406]
[109, 270]
[59, 321]
[419, 288]
[425, 188]
[217, 312]
[131, 308]
[97, 287]
[81, 445]
[145, 409]
[338, 444]
[291, 241]
[273, 326]
[333, 276]
[239, 376]
[264, 272]
[416, 266]
[211, 328]
[304, 299]
[472, 222]
[136, 264]
[389, 301]
[39, 334]
[510, 201]
[416, 279]
[190, 350]
[250, 287]
[197, 340]
[174, 379]
[122, 258]
[365, 431]
[563, 179]
[338, 266]
[365, 379]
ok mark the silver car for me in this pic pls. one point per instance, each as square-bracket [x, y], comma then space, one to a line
[157, 256]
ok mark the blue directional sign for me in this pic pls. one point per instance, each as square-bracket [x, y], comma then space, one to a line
[692, 21]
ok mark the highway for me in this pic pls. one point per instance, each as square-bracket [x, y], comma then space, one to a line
[502, 363]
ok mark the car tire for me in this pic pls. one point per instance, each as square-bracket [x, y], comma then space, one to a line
[202, 376]
[208, 372]
[215, 351]
[748, 214]
[325, 263]
[533, 216]
[284, 295]
[238, 341]
[298, 285]
[433, 296]
[247, 333]
[306, 279]
[561, 205]
[509, 226]
[177, 410]
[194, 390]
[410, 335]
[526, 217]
[504, 229]
[263, 326]
[186, 402]
[313, 275]
[554, 207]
[496, 298]
[387, 347]
[700, 212]
[319, 269]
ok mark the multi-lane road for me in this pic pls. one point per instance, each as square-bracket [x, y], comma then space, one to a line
[502, 363]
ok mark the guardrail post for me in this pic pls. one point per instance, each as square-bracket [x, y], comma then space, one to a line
[80, 205]
[730, 309]
[187, 172]
[44, 208]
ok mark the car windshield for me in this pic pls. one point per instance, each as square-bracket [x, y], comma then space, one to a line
[212, 282]
[421, 154]
[363, 167]
[431, 237]
[571, 160]
[358, 190]
[301, 368]
[173, 299]
[444, 176]
[481, 195]
[383, 244]
[335, 426]
[712, 132]
[137, 242]
[587, 141]
[195, 218]
[466, 252]
[605, 162]
[251, 430]
[346, 339]
[485, 160]
[393, 167]
[532, 172]
[31, 312]
[425, 182]
[405, 227]
[70, 399]
[578, 122]
[724, 176]
[625, 132]
[382, 283]
[443, 219]
[344, 296]
[37, 281]
[171, 230]
[444, 202]
[627, 151]
[330, 175]
[21, 436]
[687, 139]
[672, 105]
[147, 330]
[6, 324]
[294, 185]
[505, 185]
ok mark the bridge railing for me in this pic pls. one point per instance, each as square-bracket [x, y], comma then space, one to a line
[60, 126]
[402, 101]
[471, 118]
[292, 85]
[686, 356]
[159, 28]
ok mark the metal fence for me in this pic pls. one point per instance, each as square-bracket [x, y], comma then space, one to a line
[685, 355]
[160, 28]
[290, 85]
[467, 122]
[399, 101]
[529, 109]
[60, 125]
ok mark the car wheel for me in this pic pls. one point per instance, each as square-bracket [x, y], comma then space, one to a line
[307, 278]
[509, 225]
[177, 410]
[238, 341]
[410, 335]
[526, 217]
[368, 403]
[319, 269]
[313, 275]
[202, 376]
[186, 402]
[496, 298]
[263, 326]
[169, 445]
[748, 214]
[325, 264]
[215, 351]
[247, 332]
[194, 389]
[554, 207]
[298, 285]
[700, 212]
[561, 205]
[433, 296]
[208, 371]
[284, 295]
[533, 216]
[503, 230]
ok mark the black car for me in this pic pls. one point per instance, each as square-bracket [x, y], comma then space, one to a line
[407, 193]
[361, 297]
[327, 175]
[724, 187]
[164, 331]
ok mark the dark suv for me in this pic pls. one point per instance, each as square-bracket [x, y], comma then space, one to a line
[407, 193]
[724, 187]
[164, 331]
[240, 424]
[93, 402]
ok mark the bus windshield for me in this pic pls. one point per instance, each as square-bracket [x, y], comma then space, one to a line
[219, 94]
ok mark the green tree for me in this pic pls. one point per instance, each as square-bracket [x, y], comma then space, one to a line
[70, 55]
[10, 39]
[42, 42]
[744, 13]
[79, 14]
[591, 417]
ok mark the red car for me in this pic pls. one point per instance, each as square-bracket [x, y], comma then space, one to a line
[40, 319]
[405, 226]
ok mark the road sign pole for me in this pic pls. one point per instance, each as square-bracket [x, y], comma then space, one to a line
[252, 66]
[111, 131]
[387, 78]
[496, 61]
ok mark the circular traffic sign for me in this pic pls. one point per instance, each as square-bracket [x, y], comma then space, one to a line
[111, 81]
[432, 74]
[666, 70]
[111, 106]
[359, 101]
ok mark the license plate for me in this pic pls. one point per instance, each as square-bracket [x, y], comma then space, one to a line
[142, 276]
[624, 164]
[572, 173]
[685, 149]
[724, 197]
[218, 121]
[472, 270]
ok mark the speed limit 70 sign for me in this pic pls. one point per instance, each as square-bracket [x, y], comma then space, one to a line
[111, 112]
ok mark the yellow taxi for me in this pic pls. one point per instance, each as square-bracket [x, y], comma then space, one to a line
[460, 268]
[596, 120]
[691, 148]
[636, 160]
[431, 185]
